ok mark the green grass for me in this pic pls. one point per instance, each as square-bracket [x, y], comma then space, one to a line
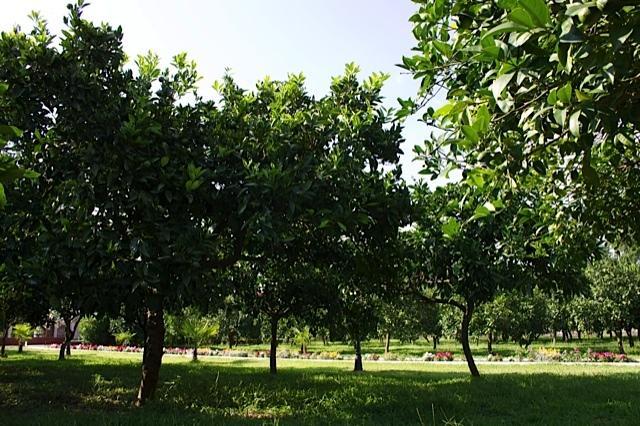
[478, 347]
[97, 388]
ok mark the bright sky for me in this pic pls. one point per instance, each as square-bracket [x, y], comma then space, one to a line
[255, 38]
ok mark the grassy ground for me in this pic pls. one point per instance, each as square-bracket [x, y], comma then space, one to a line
[479, 347]
[97, 388]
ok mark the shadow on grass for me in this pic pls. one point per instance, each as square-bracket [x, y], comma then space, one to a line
[37, 389]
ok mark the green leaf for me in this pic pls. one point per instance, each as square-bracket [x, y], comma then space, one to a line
[442, 47]
[500, 83]
[552, 97]
[443, 110]
[3, 88]
[574, 123]
[470, 133]
[506, 27]
[9, 132]
[451, 228]
[164, 160]
[520, 16]
[483, 119]
[538, 10]
[3, 197]
[564, 93]
[480, 212]
[30, 174]
[575, 8]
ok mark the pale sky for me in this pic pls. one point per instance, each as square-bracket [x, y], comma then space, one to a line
[255, 38]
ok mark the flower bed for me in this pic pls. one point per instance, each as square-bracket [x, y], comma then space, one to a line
[543, 354]
[438, 356]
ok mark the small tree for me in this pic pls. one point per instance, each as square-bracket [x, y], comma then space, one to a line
[302, 338]
[22, 332]
[124, 337]
[198, 330]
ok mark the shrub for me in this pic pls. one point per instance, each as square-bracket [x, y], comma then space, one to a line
[95, 330]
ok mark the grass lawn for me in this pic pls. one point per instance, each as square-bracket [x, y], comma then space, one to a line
[97, 388]
[478, 347]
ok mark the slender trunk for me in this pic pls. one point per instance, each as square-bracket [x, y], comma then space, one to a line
[62, 352]
[490, 342]
[20, 344]
[435, 342]
[464, 337]
[273, 368]
[194, 355]
[3, 352]
[554, 337]
[358, 362]
[65, 347]
[153, 351]
[579, 336]
[629, 331]
[387, 343]
[620, 341]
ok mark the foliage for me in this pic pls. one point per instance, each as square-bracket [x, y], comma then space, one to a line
[124, 338]
[539, 92]
[22, 332]
[615, 285]
[95, 330]
[197, 329]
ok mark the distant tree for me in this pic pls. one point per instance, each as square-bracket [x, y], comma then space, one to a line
[198, 330]
[615, 286]
[22, 332]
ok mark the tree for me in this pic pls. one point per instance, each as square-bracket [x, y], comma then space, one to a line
[615, 285]
[462, 255]
[302, 338]
[22, 332]
[536, 90]
[198, 330]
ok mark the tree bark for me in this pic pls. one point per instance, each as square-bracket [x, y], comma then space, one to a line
[20, 344]
[3, 352]
[152, 356]
[620, 341]
[387, 343]
[629, 331]
[194, 354]
[490, 342]
[62, 352]
[358, 361]
[273, 367]
[464, 337]
[435, 342]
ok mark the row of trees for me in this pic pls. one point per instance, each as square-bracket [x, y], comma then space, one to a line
[147, 199]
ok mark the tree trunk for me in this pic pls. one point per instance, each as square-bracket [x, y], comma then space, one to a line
[273, 368]
[387, 343]
[464, 337]
[194, 354]
[554, 337]
[629, 331]
[579, 336]
[620, 341]
[65, 347]
[490, 342]
[435, 342]
[152, 356]
[358, 361]
[3, 352]
[20, 344]
[62, 351]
